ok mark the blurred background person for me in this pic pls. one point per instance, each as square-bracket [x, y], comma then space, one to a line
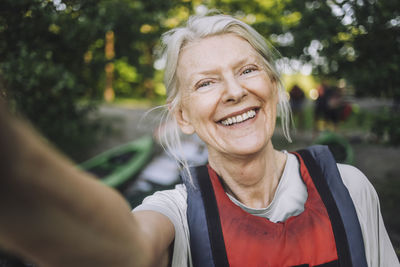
[297, 99]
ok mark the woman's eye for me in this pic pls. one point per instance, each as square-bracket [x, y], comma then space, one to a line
[203, 84]
[248, 70]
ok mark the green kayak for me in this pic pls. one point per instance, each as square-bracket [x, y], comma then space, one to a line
[116, 166]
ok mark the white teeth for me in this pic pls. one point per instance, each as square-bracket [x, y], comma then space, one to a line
[239, 118]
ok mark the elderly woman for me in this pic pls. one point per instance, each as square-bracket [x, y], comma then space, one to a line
[250, 206]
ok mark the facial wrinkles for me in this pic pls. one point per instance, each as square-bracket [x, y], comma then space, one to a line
[225, 72]
[202, 65]
[209, 65]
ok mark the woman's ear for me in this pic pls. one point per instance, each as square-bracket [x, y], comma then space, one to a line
[182, 118]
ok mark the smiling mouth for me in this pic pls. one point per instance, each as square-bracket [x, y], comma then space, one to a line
[239, 118]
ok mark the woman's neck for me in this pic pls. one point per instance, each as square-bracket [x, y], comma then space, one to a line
[252, 179]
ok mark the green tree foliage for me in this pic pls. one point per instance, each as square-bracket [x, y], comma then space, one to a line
[356, 40]
[137, 26]
[42, 47]
[52, 57]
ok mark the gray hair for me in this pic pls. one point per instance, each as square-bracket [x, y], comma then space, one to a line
[199, 27]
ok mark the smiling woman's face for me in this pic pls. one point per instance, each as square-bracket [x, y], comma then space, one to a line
[228, 98]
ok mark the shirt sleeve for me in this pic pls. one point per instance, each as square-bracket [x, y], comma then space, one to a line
[172, 204]
[378, 248]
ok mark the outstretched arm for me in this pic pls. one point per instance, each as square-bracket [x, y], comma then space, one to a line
[56, 215]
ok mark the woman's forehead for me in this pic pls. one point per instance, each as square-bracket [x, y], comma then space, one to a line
[215, 52]
[230, 39]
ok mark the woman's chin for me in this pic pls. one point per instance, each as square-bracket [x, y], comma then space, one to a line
[244, 148]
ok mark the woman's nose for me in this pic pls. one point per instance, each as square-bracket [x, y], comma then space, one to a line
[233, 91]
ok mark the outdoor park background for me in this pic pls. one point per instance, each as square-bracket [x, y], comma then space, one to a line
[84, 72]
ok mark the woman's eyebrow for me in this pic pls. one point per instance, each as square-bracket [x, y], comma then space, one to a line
[235, 64]
[247, 60]
[193, 77]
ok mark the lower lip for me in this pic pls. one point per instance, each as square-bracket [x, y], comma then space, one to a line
[240, 124]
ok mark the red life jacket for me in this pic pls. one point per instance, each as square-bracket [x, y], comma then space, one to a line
[255, 241]
[326, 233]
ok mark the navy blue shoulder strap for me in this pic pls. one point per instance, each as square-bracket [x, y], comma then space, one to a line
[204, 222]
[326, 177]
